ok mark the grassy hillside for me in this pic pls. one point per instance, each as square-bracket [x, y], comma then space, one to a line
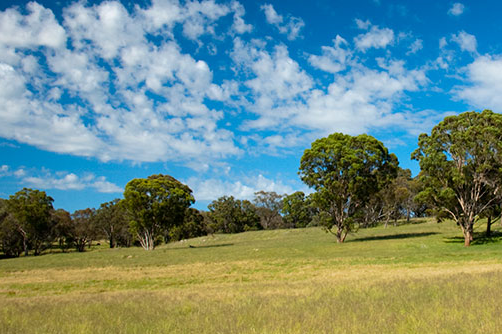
[406, 279]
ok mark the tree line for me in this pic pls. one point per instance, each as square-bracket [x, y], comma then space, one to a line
[355, 182]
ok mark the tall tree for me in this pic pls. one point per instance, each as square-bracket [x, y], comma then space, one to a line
[461, 167]
[32, 212]
[268, 206]
[345, 172]
[11, 240]
[62, 228]
[156, 204]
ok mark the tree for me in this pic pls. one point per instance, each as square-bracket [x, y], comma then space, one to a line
[11, 241]
[345, 171]
[193, 226]
[296, 210]
[268, 206]
[230, 215]
[32, 212]
[156, 204]
[113, 221]
[83, 228]
[63, 228]
[461, 167]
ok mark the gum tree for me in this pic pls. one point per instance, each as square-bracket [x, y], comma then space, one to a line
[156, 204]
[345, 172]
[461, 167]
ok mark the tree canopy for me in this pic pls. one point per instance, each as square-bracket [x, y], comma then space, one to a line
[345, 171]
[156, 204]
[461, 167]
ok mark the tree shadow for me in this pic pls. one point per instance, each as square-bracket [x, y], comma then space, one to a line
[211, 246]
[479, 238]
[394, 236]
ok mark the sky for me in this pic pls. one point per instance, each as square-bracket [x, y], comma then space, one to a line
[225, 96]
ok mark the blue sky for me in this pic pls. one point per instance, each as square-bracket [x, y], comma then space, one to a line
[226, 95]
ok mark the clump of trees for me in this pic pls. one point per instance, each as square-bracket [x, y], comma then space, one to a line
[356, 183]
[461, 168]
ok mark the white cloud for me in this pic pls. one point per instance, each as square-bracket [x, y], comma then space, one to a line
[374, 38]
[4, 170]
[211, 189]
[467, 42]
[38, 28]
[291, 27]
[45, 179]
[485, 78]
[239, 26]
[416, 46]
[96, 95]
[334, 59]
[457, 9]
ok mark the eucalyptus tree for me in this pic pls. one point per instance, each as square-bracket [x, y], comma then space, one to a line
[461, 167]
[345, 172]
[32, 213]
[230, 215]
[156, 204]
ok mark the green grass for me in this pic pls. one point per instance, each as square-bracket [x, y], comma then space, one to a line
[405, 279]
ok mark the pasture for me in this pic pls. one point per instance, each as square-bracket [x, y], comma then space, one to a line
[414, 278]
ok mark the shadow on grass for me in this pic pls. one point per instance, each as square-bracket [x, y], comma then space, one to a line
[479, 238]
[394, 236]
[211, 246]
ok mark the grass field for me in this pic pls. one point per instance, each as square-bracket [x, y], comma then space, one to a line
[415, 278]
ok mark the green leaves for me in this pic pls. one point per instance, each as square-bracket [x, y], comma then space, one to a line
[346, 171]
[461, 163]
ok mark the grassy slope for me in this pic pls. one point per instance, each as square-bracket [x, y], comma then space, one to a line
[406, 279]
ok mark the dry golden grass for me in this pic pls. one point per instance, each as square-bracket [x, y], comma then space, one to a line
[401, 280]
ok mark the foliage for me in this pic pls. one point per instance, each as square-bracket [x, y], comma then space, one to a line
[268, 206]
[11, 240]
[63, 228]
[193, 226]
[113, 222]
[297, 210]
[31, 211]
[230, 215]
[155, 205]
[461, 167]
[83, 229]
[345, 172]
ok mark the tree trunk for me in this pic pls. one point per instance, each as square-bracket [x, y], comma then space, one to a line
[488, 226]
[468, 235]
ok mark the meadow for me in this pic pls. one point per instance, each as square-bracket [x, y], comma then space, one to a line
[412, 278]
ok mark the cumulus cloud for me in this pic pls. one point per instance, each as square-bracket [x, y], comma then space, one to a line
[375, 38]
[98, 93]
[457, 9]
[467, 42]
[333, 59]
[291, 26]
[45, 179]
[213, 188]
[485, 83]
[416, 46]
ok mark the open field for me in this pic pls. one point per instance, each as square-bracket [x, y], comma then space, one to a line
[415, 278]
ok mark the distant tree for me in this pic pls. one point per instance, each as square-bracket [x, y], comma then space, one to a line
[83, 228]
[193, 226]
[461, 167]
[296, 210]
[113, 222]
[62, 228]
[11, 240]
[230, 215]
[32, 210]
[155, 205]
[397, 197]
[345, 172]
[268, 207]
